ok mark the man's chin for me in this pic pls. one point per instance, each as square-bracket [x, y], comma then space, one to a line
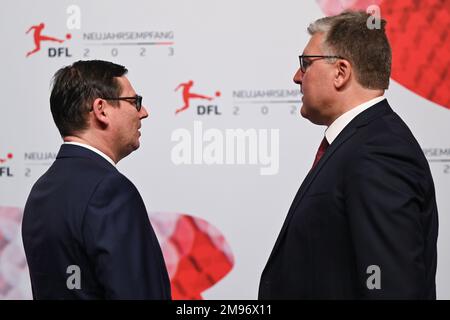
[312, 116]
[304, 112]
[134, 146]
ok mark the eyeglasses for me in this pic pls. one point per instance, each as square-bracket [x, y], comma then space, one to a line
[305, 63]
[137, 100]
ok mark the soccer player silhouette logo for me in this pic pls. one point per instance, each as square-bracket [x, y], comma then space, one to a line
[38, 37]
[187, 95]
[9, 156]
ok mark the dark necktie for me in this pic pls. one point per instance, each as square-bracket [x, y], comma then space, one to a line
[322, 148]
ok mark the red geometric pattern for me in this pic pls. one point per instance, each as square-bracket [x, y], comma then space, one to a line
[420, 40]
[14, 278]
[196, 254]
[419, 35]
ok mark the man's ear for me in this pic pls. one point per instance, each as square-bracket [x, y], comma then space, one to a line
[100, 112]
[343, 73]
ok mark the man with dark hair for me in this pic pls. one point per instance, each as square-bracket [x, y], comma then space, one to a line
[85, 228]
[364, 222]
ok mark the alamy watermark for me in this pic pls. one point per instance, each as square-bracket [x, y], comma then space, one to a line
[374, 21]
[74, 279]
[227, 147]
[374, 280]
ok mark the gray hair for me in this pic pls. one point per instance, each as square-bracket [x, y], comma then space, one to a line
[368, 50]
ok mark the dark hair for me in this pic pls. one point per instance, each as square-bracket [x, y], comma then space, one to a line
[368, 50]
[76, 87]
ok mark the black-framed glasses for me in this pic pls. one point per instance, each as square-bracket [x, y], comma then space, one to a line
[137, 100]
[305, 60]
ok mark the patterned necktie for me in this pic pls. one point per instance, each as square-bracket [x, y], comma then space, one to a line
[322, 148]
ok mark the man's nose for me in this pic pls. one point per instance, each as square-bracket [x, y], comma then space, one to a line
[298, 77]
[143, 113]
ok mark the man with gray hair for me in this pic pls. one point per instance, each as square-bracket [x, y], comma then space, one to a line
[364, 222]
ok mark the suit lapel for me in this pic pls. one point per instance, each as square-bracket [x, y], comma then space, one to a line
[360, 120]
[307, 183]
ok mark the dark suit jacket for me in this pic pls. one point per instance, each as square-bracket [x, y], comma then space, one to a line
[84, 212]
[370, 201]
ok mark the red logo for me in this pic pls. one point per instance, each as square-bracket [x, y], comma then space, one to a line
[188, 95]
[38, 37]
[9, 156]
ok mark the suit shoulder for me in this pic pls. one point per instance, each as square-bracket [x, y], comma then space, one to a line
[391, 134]
[387, 145]
[69, 175]
[393, 127]
[114, 184]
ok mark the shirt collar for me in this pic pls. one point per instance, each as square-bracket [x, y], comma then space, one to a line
[343, 120]
[94, 150]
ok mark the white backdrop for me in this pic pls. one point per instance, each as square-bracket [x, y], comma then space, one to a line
[243, 54]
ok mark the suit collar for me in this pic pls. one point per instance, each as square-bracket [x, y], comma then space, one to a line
[378, 110]
[344, 119]
[75, 151]
[99, 152]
